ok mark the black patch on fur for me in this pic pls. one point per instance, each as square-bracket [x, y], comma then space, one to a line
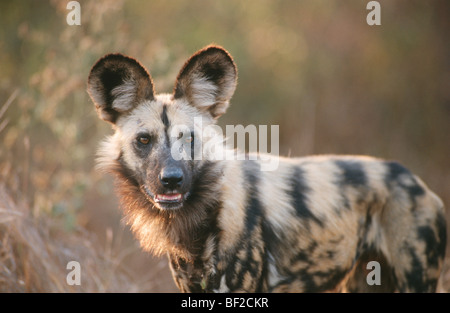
[205, 196]
[435, 243]
[395, 170]
[165, 118]
[363, 246]
[328, 279]
[304, 256]
[298, 195]
[204, 188]
[253, 209]
[239, 267]
[194, 146]
[414, 276]
[352, 173]
[213, 72]
[426, 234]
[111, 78]
[166, 123]
[330, 254]
[442, 234]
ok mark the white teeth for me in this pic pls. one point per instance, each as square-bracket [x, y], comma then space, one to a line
[168, 197]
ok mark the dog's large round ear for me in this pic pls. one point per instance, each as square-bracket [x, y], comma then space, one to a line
[208, 80]
[117, 84]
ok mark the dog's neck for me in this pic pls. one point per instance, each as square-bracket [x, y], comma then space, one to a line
[181, 233]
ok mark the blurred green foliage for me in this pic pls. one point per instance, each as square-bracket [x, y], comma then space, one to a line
[314, 67]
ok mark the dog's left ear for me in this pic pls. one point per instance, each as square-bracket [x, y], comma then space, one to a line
[208, 80]
[117, 84]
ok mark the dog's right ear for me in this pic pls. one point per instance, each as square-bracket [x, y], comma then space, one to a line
[117, 84]
[208, 80]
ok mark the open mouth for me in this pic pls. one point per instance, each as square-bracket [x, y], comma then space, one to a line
[167, 201]
[170, 198]
[171, 201]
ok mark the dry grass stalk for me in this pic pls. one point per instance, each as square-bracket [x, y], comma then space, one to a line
[34, 253]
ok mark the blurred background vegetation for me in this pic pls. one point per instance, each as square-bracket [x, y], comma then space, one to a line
[333, 83]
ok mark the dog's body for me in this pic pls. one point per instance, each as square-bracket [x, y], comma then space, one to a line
[311, 225]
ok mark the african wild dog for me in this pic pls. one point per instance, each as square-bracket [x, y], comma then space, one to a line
[311, 225]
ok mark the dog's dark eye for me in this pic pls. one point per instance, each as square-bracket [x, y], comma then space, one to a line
[143, 139]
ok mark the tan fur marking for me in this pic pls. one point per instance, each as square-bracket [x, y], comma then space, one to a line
[232, 216]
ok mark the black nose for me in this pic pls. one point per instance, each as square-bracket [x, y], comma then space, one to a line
[171, 177]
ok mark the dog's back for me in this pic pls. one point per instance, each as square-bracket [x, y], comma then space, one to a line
[329, 216]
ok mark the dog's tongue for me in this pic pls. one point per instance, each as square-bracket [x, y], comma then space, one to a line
[168, 197]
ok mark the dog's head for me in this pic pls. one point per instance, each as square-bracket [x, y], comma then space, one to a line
[158, 138]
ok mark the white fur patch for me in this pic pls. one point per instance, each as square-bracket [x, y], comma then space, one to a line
[223, 286]
[108, 152]
[203, 91]
[273, 277]
[274, 193]
[124, 95]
